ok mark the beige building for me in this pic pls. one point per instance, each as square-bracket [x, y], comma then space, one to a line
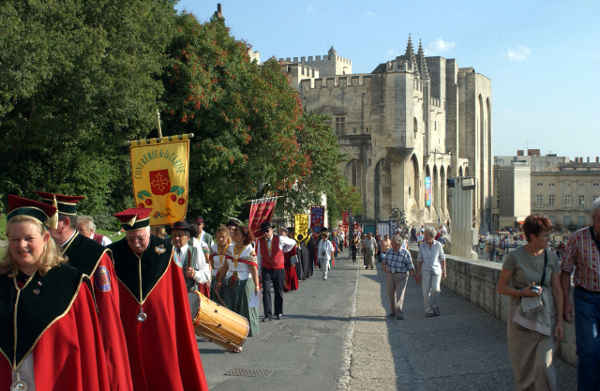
[406, 127]
[513, 193]
[565, 194]
[534, 158]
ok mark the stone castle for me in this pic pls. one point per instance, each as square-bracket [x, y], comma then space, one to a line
[406, 127]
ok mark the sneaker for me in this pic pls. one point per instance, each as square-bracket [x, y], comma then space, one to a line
[430, 315]
[436, 311]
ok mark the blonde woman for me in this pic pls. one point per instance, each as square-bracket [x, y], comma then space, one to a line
[48, 319]
[218, 258]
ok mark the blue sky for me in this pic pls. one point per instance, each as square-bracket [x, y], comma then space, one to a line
[543, 57]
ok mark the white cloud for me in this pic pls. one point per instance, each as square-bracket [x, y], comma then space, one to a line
[439, 46]
[518, 54]
[371, 13]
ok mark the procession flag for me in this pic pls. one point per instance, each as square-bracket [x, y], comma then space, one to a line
[317, 215]
[160, 174]
[261, 210]
[301, 226]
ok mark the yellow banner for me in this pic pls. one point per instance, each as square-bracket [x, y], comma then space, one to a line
[301, 226]
[160, 173]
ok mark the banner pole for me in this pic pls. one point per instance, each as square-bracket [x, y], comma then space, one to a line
[158, 120]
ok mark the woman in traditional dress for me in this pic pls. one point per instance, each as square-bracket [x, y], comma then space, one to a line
[290, 281]
[218, 258]
[240, 288]
[532, 271]
[49, 331]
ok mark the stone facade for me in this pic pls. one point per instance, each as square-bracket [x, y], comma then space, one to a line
[513, 194]
[565, 194]
[412, 118]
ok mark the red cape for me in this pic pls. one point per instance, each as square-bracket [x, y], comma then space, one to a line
[69, 354]
[290, 282]
[163, 349]
[106, 292]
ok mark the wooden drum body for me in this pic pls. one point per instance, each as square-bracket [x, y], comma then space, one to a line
[217, 323]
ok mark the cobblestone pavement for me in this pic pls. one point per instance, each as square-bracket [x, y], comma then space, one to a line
[335, 336]
[463, 349]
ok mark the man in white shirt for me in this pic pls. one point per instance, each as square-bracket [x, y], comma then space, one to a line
[189, 255]
[269, 251]
[325, 252]
[431, 269]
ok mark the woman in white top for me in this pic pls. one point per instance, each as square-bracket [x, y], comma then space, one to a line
[218, 258]
[241, 278]
[325, 252]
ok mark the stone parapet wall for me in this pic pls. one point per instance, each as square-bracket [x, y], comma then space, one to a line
[476, 280]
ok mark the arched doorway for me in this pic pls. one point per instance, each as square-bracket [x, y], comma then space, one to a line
[435, 185]
[414, 189]
[380, 179]
[443, 186]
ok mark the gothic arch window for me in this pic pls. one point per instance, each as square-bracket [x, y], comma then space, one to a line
[414, 171]
[415, 127]
[460, 171]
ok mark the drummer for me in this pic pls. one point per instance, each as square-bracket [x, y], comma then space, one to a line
[240, 272]
[217, 259]
[189, 255]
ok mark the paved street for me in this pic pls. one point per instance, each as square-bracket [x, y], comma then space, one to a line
[304, 350]
[464, 349]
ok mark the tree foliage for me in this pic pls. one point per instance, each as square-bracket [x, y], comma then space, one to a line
[76, 80]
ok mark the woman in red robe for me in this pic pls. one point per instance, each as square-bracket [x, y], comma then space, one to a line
[290, 280]
[49, 331]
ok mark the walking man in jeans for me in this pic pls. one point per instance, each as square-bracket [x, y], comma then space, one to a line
[431, 268]
[583, 255]
[397, 265]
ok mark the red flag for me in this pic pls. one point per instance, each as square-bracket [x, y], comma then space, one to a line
[260, 211]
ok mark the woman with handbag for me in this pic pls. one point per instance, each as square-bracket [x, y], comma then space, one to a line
[531, 277]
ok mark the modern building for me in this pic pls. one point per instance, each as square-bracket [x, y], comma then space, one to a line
[406, 127]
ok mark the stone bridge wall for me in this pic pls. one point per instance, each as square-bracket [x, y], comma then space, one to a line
[475, 280]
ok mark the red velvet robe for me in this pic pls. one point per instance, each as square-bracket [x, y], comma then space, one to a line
[94, 260]
[290, 282]
[163, 349]
[57, 323]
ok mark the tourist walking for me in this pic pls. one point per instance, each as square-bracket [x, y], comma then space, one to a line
[369, 249]
[326, 252]
[397, 265]
[582, 254]
[431, 268]
[531, 277]
[354, 244]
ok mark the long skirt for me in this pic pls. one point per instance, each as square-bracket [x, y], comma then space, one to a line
[290, 282]
[237, 298]
[531, 355]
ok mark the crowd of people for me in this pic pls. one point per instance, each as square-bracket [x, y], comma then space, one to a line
[119, 315]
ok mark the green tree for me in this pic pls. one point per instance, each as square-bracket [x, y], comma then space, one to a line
[77, 79]
[244, 117]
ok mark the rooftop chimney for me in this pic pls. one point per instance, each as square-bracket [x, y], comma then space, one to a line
[597, 159]
[520, 152]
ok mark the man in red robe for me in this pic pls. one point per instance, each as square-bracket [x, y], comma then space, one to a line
[154, 310]
[49, 331]
[93, 260]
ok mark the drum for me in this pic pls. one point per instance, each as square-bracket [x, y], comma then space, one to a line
[217, 323]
